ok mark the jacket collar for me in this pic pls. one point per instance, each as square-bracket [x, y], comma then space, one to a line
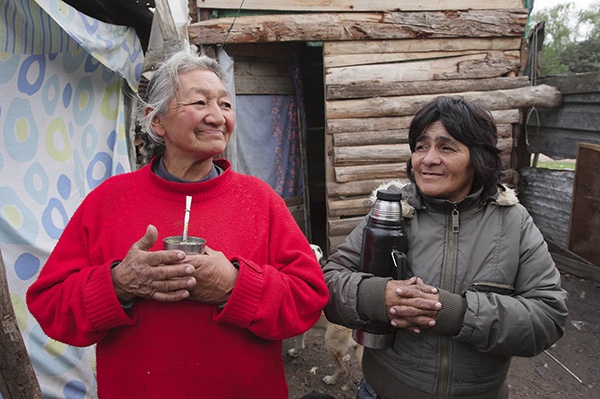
[413, 199]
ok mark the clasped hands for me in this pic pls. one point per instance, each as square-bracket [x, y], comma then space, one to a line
[171, 275]
[412, 304]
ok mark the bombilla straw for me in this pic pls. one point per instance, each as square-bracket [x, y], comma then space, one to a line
[186, 220]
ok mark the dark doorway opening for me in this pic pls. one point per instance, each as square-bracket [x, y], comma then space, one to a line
[311, 59]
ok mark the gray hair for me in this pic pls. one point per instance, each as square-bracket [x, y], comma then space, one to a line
[163, 87]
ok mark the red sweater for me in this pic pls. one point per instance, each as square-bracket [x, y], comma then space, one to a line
[184, 349]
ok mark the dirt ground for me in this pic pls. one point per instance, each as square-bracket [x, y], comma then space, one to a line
[569, 369]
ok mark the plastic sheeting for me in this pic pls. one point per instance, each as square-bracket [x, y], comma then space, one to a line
[61, 134]
[269, 131]
[52, 27]
[267, 140]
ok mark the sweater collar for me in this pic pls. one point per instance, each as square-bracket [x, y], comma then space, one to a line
[214, 186]
[160, 169]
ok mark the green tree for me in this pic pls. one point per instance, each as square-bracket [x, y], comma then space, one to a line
[581, 57]
[572, 39]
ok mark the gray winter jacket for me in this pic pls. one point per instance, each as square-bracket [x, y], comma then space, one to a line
[499, 288]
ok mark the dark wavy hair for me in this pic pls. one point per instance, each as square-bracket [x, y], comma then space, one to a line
[469, 123]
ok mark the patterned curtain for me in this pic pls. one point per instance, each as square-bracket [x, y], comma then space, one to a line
[268, 135]
[62, 119]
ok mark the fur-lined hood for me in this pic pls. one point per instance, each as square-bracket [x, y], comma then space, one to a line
[506, 197]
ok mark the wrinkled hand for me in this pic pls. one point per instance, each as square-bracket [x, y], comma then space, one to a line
[412, 304]
[215, 277]
[159, 275]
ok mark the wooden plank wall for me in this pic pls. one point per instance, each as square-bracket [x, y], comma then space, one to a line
[555, 132]
[262, 68]
[584, 239]
[358, 5]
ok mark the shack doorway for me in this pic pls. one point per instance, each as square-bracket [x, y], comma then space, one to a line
[280, 128]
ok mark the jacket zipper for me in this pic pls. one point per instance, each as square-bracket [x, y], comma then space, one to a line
[447, 285]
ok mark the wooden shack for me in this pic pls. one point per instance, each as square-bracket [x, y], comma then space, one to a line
[367, 67]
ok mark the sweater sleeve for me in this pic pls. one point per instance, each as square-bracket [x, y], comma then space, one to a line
[285, 296]
[74, 300]
[451, 315]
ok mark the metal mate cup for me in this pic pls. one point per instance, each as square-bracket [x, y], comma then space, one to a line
[191, 245]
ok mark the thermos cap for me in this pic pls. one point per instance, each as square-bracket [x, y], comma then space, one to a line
[387, 206]
[387, 195]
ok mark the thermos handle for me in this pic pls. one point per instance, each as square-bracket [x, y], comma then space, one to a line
[401, 263]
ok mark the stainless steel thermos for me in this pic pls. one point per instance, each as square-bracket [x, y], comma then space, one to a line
[384, 255]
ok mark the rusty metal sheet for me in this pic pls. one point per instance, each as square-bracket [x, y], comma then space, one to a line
[584, 237]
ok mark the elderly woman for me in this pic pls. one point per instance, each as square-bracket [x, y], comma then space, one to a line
[484, 286]
[167, 324]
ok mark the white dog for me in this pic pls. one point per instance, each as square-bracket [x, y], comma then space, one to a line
[338, 339]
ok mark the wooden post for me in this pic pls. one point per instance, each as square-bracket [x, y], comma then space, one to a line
[17, 378]
[583, 238]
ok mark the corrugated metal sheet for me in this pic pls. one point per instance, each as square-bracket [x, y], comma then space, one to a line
[547, 195]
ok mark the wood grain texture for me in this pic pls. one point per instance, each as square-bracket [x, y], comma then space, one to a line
[359, 26]
[357, 5]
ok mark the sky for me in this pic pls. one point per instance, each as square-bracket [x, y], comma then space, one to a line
[542, 4]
